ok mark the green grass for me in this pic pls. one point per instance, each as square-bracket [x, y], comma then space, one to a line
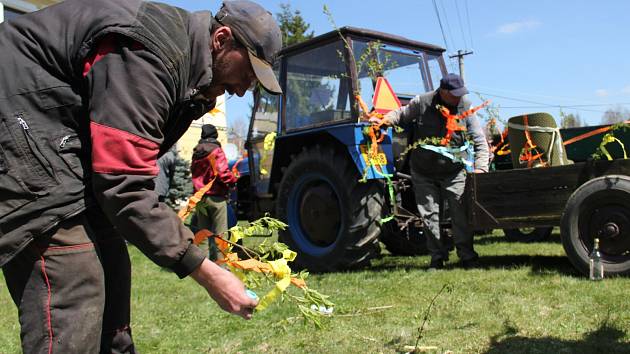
[527, 299]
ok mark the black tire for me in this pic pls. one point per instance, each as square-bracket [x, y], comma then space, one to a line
[600, 208]
[528, 234]
[408, 242]
[333, 218]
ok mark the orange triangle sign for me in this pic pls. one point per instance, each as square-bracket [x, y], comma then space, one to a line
[385, 99]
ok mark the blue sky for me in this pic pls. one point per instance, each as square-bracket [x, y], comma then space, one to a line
[529, 56]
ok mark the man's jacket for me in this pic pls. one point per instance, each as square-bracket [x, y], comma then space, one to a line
[209, 163]
[91, 93]
[422, 116]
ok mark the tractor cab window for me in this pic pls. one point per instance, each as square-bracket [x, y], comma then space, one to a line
[405, 69]
[317, 91]
[266, 114]
[264, 122]
[436, 70]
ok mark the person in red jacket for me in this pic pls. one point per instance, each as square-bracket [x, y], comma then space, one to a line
[209, 165]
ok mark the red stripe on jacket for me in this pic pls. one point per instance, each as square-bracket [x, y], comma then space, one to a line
[116, 151]
[107, 45]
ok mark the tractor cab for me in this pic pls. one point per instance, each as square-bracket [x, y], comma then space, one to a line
[306, 148]
[319, 78]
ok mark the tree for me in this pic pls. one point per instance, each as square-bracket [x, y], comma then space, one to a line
[570, 120]
[292, 25]
[237, 132]
[181, 187]
[616, 115]
[299, 89]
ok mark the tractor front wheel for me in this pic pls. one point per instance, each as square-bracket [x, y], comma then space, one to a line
[333, 218]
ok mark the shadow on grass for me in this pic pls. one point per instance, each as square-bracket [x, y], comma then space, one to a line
[605, 339]
[540, 265]
[494, 239]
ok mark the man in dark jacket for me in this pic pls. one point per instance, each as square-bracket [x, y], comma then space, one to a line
[210, 165]
[92, 92]
[441, 170]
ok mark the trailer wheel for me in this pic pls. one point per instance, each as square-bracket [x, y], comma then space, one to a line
[333, 219]
[408, 242]
[600, 208]
[528, 234]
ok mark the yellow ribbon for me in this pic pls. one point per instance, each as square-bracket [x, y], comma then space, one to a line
[268, 145]
[609, 138]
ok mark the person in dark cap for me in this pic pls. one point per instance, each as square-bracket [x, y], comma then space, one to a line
[92, 93]
[209, 166]
[440, 171]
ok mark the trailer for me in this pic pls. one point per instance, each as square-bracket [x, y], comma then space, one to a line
[588, 199]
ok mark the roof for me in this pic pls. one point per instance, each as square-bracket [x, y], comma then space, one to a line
[366, 33]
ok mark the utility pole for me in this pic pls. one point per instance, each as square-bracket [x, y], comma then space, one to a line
[460, 57]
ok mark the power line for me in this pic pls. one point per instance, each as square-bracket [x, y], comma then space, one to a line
[530, 94]
[579, 105]
[514, 99]
[448, 25]
[437, 13]
[448, 28]
[472, 44]
[538, 104]
[461, 26]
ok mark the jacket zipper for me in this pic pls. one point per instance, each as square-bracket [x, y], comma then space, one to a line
[31, 142]
[64, 141]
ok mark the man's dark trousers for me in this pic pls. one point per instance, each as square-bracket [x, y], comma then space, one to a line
[72, 289]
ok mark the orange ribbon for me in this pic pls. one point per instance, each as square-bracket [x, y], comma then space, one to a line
[452, 120]
[235, 167]
[196, 198]
[231, 258]
[527, 154]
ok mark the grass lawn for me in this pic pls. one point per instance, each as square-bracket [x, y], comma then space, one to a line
[527, 299]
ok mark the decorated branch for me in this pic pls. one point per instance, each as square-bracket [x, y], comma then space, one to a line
[265, 268]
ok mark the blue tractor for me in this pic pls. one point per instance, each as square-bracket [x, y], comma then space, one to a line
[307, 160]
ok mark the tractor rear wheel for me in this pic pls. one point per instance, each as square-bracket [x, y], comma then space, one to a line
[333, 218]
[600, 208]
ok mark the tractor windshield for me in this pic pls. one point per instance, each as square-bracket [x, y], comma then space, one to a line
[317, 91]
[410, 72]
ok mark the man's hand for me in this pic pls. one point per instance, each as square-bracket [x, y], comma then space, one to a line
[479, 171]
[386, 120]
[377, 120]
[224, 288]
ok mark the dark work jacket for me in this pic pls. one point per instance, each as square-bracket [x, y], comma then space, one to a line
[91, 93]
[427, 122]
[203, 171]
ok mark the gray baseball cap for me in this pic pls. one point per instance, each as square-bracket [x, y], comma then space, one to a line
[255, 28]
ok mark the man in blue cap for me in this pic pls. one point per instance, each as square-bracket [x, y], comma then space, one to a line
[91, 94]
[440, 171]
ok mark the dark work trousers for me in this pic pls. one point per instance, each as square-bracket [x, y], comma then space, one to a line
[72, 289]
[427, 190]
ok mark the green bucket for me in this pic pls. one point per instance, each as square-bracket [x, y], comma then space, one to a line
[545, 136]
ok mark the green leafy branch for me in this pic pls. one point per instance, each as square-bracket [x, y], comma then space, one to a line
[312, 305]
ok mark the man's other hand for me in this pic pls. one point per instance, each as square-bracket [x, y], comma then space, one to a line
[225, 288]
